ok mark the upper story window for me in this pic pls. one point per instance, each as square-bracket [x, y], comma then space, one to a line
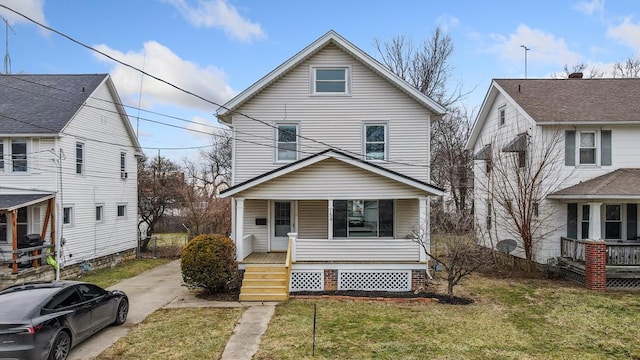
[79, 158]
[375, 141]
[19, 155]
[287, 142]
[502, 116]
[123, 165]
[589, 147]
[1, 156]
[67, 215]
[121, 211]
[331, 80]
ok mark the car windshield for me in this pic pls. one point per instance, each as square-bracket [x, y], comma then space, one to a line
[18, 305]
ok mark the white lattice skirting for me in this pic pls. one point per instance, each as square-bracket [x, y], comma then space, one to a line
[307, 280]
[374, 280]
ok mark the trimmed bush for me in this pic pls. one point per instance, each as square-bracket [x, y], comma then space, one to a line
[209, 262]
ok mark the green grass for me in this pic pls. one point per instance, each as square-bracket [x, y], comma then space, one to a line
[198, 333]
[110, 276]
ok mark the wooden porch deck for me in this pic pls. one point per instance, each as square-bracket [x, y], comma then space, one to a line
[265, 258]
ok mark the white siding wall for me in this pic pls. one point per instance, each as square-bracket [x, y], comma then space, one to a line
[357, 250]
[334, 120]
[407, 217]
[332, 178]
[104, 137]
[256, 209]
[313, 219]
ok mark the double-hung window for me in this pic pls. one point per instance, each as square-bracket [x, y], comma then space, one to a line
[123, 165]
[79, 158]
[584, 222]
[502, 118]
[587, 152]
[19, 155]
[287, 142]
[363, 218]
[613, 222]
[330, 80]
[1, 156]
[375, 141]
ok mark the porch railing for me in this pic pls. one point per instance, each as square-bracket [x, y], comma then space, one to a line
[364, 249]
[618, 254]
[27, 257]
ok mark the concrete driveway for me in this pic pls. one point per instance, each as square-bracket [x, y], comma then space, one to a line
[147, 292]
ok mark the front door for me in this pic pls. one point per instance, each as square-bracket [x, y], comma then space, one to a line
[282, 225]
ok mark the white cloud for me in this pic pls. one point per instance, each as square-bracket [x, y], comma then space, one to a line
[158, 60]
[627, 33]
[545, 48]
[447, 22]
[31, 8]
[590, 7]
[218, 13]
[203, 127]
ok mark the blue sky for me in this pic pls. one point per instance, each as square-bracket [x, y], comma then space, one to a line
[217, 48]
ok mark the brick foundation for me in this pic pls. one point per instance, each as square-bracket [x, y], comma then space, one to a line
[418, 279]
[595, 259]
[330, 280]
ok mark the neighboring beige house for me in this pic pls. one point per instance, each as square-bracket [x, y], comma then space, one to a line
[330, 168]
[67, 166]
[592, 193]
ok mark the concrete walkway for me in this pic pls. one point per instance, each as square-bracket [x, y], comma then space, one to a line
[162, 287]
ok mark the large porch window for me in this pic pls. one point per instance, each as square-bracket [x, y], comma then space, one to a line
[362, 218]
[584, 224]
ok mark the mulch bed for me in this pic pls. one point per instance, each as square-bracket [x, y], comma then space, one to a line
[384, 296]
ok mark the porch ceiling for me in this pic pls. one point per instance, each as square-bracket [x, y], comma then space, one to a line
[13, 202]
[618, 184]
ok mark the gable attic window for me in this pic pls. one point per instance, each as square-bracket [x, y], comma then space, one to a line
[287, 142]
[1, 156]
[330, 80]
[19, 155]
[375, 144]
[123, 165]
[79, 158]
[502, 115]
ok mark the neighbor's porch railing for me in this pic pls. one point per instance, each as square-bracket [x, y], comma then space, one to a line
[619, 254]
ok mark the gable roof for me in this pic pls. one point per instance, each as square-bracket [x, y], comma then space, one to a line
[618, 184]
[565, 101]
[44, 104]
[334, 154]
[331, 37]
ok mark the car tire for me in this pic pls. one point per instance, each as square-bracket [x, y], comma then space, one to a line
[61, 346]
[122, 312]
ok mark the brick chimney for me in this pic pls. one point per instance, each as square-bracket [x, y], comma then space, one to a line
[575, 75]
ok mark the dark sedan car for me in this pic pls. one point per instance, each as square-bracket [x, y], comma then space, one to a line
[45, 320]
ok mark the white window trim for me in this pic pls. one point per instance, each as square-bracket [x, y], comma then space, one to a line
[386, 140]
[275, 137]
[123, 168]
[502, 110]
[10, 155]
[596, 140]
[101, 205]
[72, 212]
[3, 156]
[84, 158]
[125, 211]
[347, 79]
[621, 221]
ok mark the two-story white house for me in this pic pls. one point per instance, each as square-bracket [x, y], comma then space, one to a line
[330, 168]
[67, 166]
[591, 186]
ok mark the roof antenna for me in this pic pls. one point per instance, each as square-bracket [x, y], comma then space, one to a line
[525, 59]
[7, 58]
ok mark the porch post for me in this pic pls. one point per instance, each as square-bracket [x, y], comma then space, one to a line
[294, 244]
[423, 215]
[14, 239]
[595, 252]
[239, 231]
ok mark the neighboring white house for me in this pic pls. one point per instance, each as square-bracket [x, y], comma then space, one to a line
[67, 149]
[332, 150]
[593, 189]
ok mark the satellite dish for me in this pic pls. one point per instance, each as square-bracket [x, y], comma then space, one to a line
[506, 246]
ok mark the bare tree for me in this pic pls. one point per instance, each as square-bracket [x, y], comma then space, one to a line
[520, 176]
[204, 211]
[582, 68]
[629, 68]
[452, 169]
[427, 67]
[459, 255]
[159, 188]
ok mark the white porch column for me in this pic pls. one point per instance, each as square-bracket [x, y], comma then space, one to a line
[239, 231]
[330, 220]
[595, 227]
[423, 210]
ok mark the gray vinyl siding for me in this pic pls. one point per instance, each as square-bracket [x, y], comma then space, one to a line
[407, 217]
[256, 209]
[331, 178]
[101, 129]
[313, 219]
[335, 121]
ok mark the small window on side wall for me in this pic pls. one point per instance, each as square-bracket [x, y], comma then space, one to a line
[287, 142]
[331, 80]
[122, 211]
